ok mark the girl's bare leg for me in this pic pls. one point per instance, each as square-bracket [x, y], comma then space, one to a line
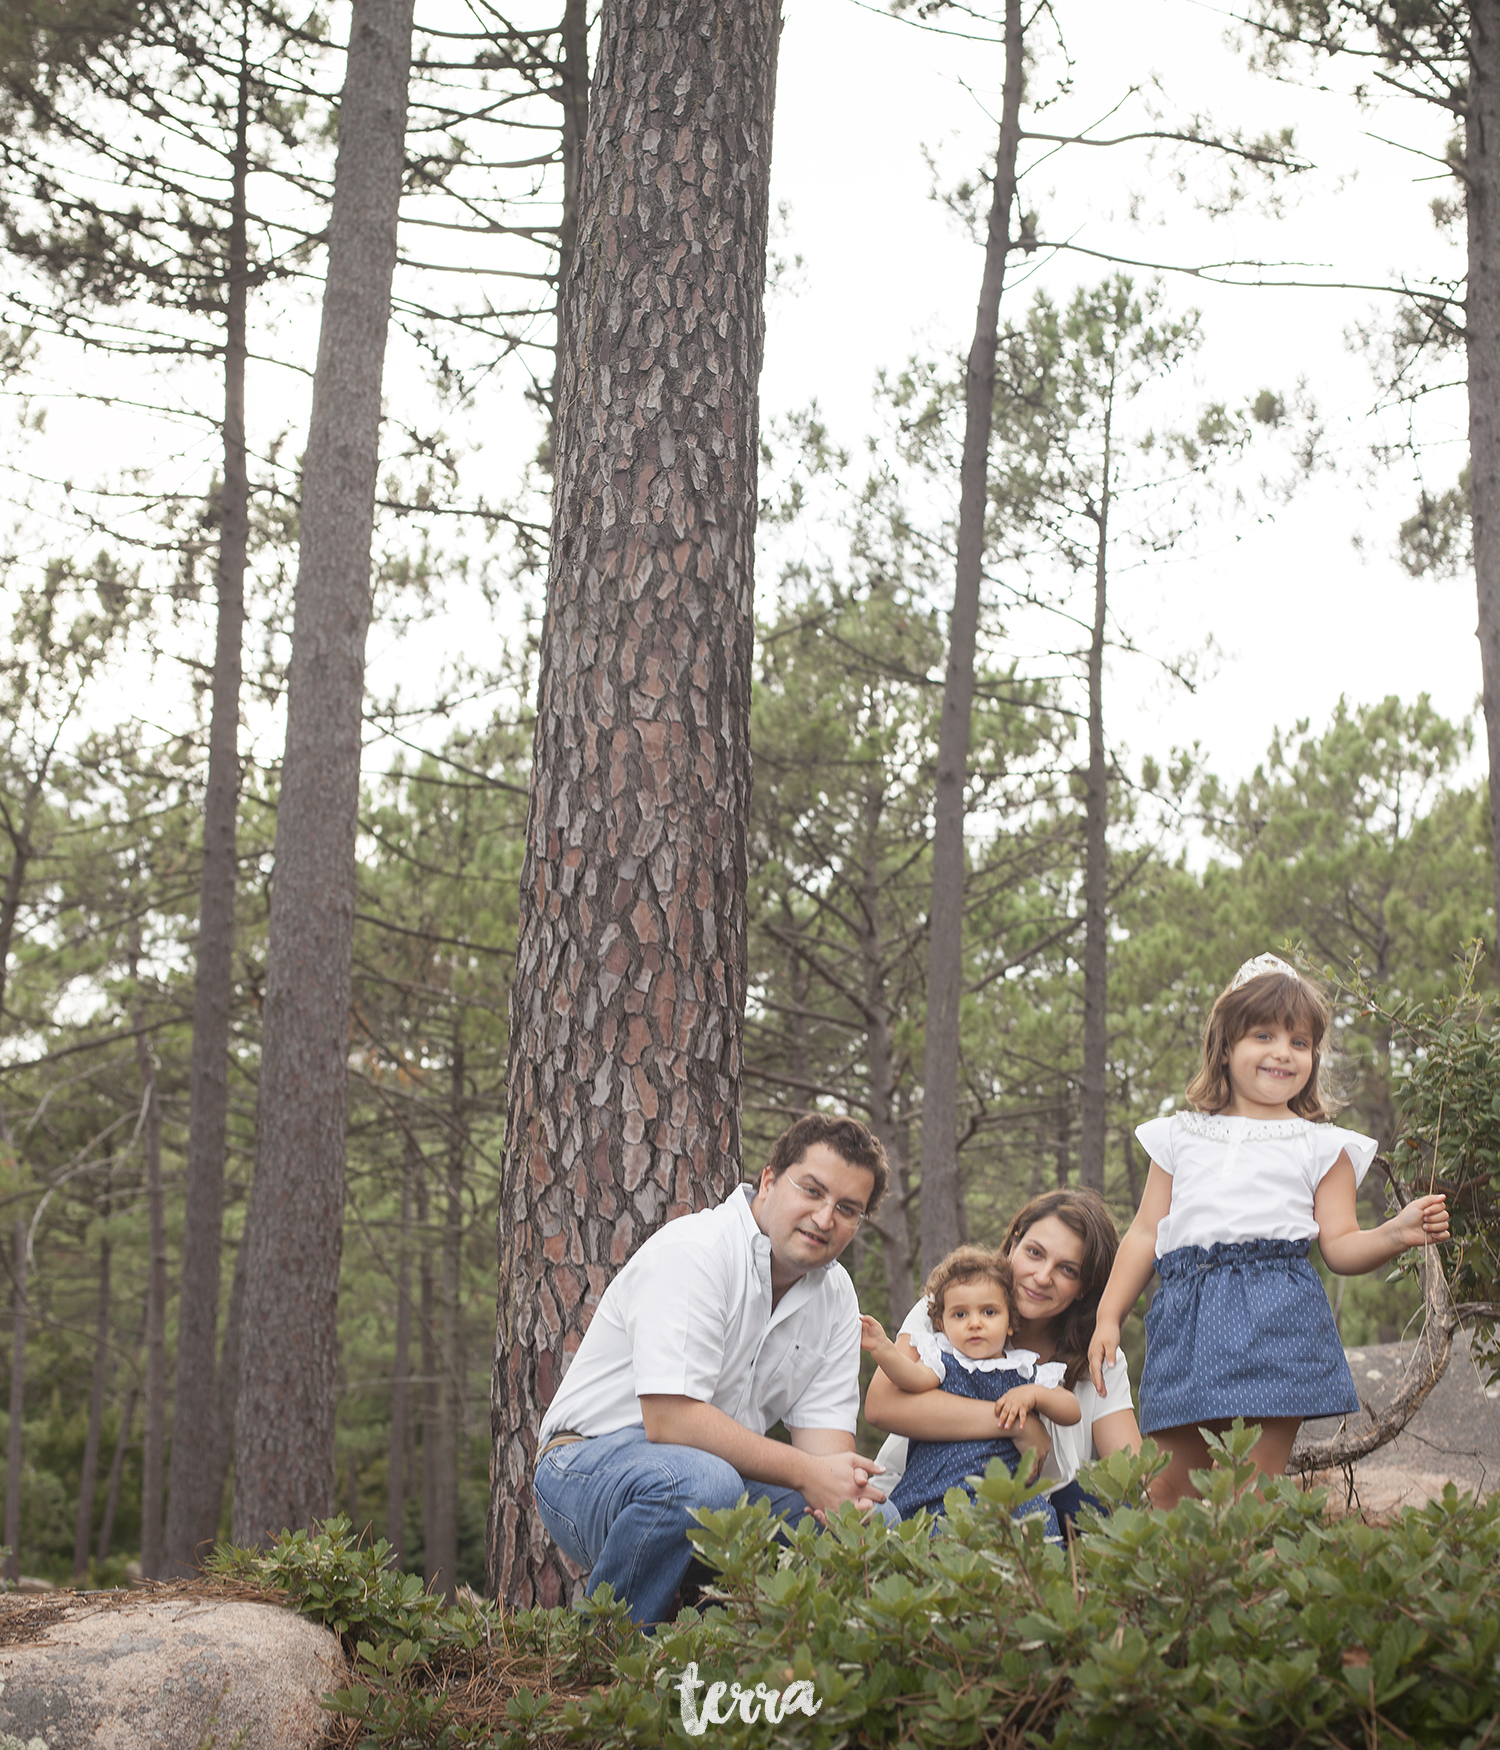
[1189, 1452]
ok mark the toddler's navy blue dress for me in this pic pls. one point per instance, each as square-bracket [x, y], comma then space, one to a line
[935, 1466]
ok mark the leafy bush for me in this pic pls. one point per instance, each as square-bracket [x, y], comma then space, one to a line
[1238, 1620]
[1448, 1091]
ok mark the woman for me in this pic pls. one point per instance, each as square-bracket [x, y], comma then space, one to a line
[1061, 1248]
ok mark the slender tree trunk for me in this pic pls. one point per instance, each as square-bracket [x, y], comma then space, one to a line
[116, 1471]
[628, 1002]
[940, 1193]
[283, 1473]
[1482, 335]
[894, 1233]
[395, 1488]
[226, 1397]
[1132, 1168]
[1061, 1153]
[1096, 873]
[156, 1311]
[17, 1405]
[431, 1439]
[442, 1546]
[192, 1512]
[21, 851]
[87, 1484]
[573, 95]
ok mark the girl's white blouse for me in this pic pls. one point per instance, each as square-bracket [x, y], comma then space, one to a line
[1245, 1178]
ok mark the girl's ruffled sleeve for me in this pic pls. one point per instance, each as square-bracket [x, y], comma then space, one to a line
[1051, 1373]
[1329, 1142]
[929, 1350]
[1155, 1136]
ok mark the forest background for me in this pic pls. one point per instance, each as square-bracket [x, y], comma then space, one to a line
[1277, 617]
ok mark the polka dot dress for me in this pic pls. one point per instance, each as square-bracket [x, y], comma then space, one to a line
[935, 1466]
[1241, 1329]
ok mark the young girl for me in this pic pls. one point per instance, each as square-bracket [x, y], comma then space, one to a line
[971, 1301]
[1240, 1325]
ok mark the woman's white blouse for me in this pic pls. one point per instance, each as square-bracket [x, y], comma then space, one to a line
[1245, 1178]
[1072, 1442]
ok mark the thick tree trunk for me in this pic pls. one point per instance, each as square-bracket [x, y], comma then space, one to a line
[628, 1002]
[84, 1526]
[942, 1220]
[1482, 332]
[1096, 873]
[17, 1403]
[395, 1484]
[283, 1474]
[192, 1510]
[156, 1311]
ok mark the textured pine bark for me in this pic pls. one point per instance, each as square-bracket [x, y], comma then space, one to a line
[942, 1214]
[192, 1508]
[629, 994]
[1482, 332]
[283, 1474]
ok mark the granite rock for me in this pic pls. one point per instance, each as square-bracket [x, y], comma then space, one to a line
[168, 1672]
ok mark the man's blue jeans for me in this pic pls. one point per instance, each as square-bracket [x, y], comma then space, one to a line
[621, 1507]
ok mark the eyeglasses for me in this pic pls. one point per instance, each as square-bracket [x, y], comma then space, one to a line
[850, 1214]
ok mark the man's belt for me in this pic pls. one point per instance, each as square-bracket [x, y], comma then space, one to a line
[566, 1438]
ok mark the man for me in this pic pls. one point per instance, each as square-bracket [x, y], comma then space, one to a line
[722, 1324]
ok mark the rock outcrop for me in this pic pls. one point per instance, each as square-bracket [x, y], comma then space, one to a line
[164, 1672]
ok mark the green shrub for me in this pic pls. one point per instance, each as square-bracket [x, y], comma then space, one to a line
[1238, 1620]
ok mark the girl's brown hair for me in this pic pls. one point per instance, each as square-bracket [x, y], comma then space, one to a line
[1275, 998]
[1082, 1213]
[962, 1266]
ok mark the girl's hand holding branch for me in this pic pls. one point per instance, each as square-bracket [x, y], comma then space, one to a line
[1349, 1250]
[1423, 1222]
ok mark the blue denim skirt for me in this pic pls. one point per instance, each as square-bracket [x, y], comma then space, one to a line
[1241, 1329]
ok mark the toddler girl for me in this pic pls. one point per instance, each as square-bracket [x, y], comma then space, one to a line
[971, 1303]
[1240, 1325]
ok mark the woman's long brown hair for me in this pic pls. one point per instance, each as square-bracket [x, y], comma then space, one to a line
[1275, 998]
[1082, 1213]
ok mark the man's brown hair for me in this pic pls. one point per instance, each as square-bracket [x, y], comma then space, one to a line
[963, 1265]
[849, 1140]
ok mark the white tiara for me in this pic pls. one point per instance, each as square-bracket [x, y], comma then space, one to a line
[1259, 967]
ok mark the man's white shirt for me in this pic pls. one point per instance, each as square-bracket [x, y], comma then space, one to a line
[690, 1315]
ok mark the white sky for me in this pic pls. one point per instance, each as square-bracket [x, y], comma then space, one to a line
[1297, 615]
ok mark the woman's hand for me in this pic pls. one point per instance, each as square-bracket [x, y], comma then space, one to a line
[1104, 1346]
